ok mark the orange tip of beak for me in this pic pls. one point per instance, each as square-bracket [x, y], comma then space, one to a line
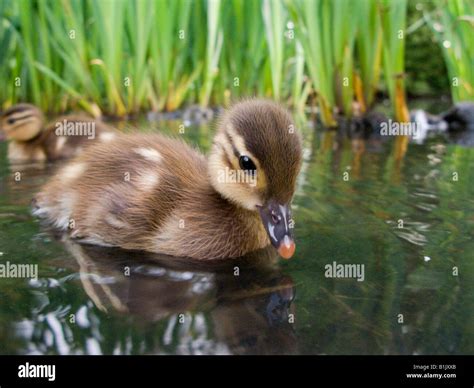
[287, 248]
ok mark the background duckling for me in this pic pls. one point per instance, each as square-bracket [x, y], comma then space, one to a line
[153, 193]
[30, 140]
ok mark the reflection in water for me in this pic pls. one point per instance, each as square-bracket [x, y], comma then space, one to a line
[85, 303]
[206, 308]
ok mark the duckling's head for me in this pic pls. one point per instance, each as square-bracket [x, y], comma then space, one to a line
[21, 122]
[254, 162]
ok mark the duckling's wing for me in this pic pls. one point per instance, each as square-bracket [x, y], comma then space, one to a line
[68, 136]
[119, 193]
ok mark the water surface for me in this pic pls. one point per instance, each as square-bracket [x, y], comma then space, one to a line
[89, 300]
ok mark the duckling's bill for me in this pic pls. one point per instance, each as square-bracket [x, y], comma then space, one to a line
[287, 248]
[276, 219]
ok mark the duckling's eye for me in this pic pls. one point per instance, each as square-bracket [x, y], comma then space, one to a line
[246, 163]
[11, 121]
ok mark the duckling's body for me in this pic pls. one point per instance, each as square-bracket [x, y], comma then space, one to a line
[153, 193]
[65, 137]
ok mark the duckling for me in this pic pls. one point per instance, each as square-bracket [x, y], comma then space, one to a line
[154, 193]
[31, 141]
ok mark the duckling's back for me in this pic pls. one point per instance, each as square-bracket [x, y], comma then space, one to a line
[68, 136]
[120, 192]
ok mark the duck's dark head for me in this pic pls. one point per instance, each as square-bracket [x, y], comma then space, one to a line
[255, 161]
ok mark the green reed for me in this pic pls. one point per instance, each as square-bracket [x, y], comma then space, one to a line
[119, 57]
[274, 21]
[213, 50]
[8, 61]
[169, 43]
[329, 56]
[393, 20]
[453, 25]
[242, 69]
[312, 21]
[369, 52]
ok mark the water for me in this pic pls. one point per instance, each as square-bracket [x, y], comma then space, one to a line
[88, 300]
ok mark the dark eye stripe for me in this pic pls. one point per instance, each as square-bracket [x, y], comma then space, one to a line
[17, 124]
[228, 161]
[11, 120]
[234, 149]
[226, 155]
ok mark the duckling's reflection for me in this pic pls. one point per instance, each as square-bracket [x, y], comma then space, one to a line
[248, 300]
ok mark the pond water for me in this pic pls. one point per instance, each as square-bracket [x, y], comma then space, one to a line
[408, 222]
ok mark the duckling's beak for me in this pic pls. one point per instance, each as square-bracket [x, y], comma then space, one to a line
[276, 218]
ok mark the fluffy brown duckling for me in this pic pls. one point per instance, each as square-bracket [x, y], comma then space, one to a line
[31, 141]
[154, 193]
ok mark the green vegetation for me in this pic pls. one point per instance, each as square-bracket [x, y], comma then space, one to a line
[393, 20]
[453, 24]
[424, 64]
[120, 57]
[369, 50]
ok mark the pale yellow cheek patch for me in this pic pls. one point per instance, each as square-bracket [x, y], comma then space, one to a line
[24, 130]
[239, 143]
[243, 194]
[261, 181]
[223, 142]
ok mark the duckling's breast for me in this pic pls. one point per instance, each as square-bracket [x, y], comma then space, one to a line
[18, 152]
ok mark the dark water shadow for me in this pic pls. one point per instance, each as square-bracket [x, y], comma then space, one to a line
[248, 301]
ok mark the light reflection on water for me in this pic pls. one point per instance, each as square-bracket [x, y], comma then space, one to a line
[85, 303]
